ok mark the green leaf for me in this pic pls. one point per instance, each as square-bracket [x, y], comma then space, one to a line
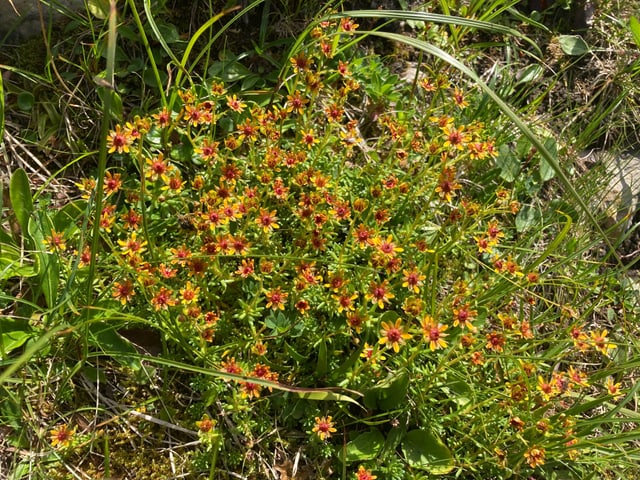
[634, 26]
[528, 217]
[105, 337]
[13, 263]
[115, 102]
[21, 201]
[530, 73]
[48, 266]
[25, 101]
[98, 8]
[278, 323]
[573, 44]
[323, 364]
[388, 394]
[68, 215]
[294, 354]
[169, 32]
[13, 334]
[424, 451]
[508, 163]
[547, 171]
[365, 446]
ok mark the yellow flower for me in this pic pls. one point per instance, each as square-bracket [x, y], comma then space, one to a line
[62, 437]
[600, 341]
[433, 333]
[324, 427]
[535, 456]
[392, 335]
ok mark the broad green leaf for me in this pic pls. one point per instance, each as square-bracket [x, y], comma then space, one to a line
[573, 44]
[48, 266]
[365, 446]
[105, 337]
[508, 163]
[13, 334]
[322, 364]
[98, 8]
[294, 354]
[388, 394]
[21, 201]
[460, 392]
[169, 32]
[68, 215]
[13, 263]
[528, 217]
[530, 73]
[423, 450]
[25, 101]
[115, 102]
[634, 26]
[546, 169]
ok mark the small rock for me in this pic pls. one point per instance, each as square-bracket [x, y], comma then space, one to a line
[621, 198]
[21, 18]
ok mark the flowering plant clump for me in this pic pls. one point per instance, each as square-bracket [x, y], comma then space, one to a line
[314, 238]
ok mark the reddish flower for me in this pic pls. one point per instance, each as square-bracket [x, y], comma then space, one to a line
[347, 25]
[163, 299]
[392, 335]
[301, 62]
[276, 298]
[323, 427]
[463, 316]
[387, 247]
[235, 104]
[364, 236]
[267, 220]
[162, 118]
[413, 279]
[433, 332]
[112, 183]
[379, 293]
[495, 341]
[364, 474]
[231, 366]
[119, 140]
[131, 220]
[123, 291]
[600, 341]
[62, 436]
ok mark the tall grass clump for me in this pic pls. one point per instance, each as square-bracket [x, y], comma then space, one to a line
[332, 277]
